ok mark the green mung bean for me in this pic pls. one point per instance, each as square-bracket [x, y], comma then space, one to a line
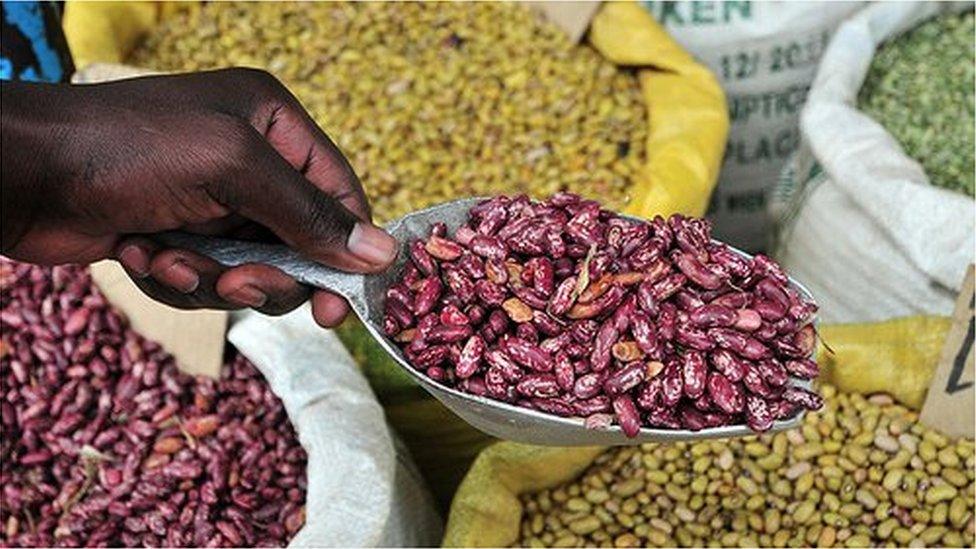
[920, 88]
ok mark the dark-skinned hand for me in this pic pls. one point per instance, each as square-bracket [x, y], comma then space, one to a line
[91, 172]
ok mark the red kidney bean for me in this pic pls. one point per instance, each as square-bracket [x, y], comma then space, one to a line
[672, 384]
[758, 415]
[773, 372]
[492, 220]
[725, 394]
[803, 397]
[531, 297]
[769, 310]
[490, 294]
[564, 371]
[667, 322]
[563, 297]
[694, 373]
[588, 385]
[687, 300]
[600, 306]
[538, 385]
[583, 331]
[603, 345]
[627, 416]
[712, 315]
[733, 300]
[590, 406]
[695, 338]
[783, 409]
[504, 365]
[423, 261]
[733, 263]
[660, 292]
[649, 396]
[666, 287]
[427, 295]
[754, 382]
[527, 354]
[472, 265]
[747, 320]
[663, 417]
[528, 332]
[543, 278]
[488, 247]
[788, 349]
[471, 356]
[728, 364]
[553, 406]
[645, 335]
[464, 235]
[451, 315]
[696, 272]
[442, 248]
[692, 419]
[803, 368]
[625, 379]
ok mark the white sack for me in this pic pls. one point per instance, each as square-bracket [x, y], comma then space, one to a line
[765, 55]
[363, 489]
[860, 224]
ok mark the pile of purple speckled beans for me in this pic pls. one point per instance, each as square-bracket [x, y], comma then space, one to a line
[106, 443]
[570, 309]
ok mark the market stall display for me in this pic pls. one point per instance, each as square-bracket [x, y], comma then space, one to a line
[560, 306]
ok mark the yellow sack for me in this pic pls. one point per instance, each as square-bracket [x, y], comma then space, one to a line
[688, 126]
[685, 106]
[105, 32]
[897, 357]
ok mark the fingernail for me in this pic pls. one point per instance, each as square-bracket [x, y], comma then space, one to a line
[248, 295]
[371, 244]
[182, 277]
[135, 259]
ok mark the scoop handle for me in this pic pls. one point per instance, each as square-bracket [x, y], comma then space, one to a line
[232, 253]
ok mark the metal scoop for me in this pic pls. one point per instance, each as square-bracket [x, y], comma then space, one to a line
[367, 294]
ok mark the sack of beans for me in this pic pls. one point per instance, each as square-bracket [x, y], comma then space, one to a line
[765, 55]
[860, 472]
[875, 212]
[105, 442]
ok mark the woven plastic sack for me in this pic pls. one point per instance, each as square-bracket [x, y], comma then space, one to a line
[688, 126]
[765, 55]
[363, 491]
[859, 222]
[897, 357]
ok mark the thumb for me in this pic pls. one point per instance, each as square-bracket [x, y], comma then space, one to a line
[268, 190]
